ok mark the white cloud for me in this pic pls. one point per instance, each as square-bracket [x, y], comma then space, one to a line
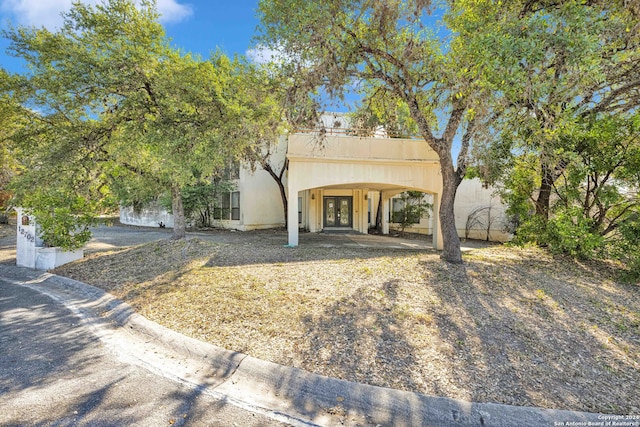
[172, 11]
[264, 55]
[36, 12]
[47, 13]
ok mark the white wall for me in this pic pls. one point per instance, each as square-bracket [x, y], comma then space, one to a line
[149, 216]
[472, 195]
[260, 201]
[26, 241]
[30, 250]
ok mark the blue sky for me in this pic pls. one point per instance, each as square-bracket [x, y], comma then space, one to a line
[198, 26]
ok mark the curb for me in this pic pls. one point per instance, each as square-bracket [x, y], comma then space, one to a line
[286, 394]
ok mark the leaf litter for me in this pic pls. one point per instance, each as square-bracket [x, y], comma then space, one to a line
[510, 325]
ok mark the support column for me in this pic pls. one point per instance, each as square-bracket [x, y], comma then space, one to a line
[385, 213]
[292, 214]
[313, 212]
[437, 230]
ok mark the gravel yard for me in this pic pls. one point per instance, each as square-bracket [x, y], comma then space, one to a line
[511, 325]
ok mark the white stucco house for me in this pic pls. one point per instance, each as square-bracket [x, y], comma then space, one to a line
[335, 182]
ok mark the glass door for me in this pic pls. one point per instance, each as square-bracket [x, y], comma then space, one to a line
[338, 211]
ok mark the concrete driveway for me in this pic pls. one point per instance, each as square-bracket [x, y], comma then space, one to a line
[105, 238]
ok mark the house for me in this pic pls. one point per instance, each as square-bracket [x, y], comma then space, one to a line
[339, 181]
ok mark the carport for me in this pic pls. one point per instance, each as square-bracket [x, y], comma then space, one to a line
[335, 176]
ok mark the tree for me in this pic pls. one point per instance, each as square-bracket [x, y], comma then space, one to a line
[280, 101]
[389, 48]
[557, 63]
[9, 123]
[570, 77]
[265, 91]
[112, 105]
[597, 194]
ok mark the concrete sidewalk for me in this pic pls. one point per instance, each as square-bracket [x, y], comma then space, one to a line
[280, 393]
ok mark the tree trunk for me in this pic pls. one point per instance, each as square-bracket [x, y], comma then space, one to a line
[179, 225]
[285, 203]
[379, 215]
[283, 191]
[450, 177]
[450, 240]
[543, 200]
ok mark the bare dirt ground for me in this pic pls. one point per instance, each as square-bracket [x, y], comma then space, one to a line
[510, 325]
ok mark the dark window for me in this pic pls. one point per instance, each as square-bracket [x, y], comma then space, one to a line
[225, 203]
[235, 205]
[228, 206]
[232, 171]
[398, 211]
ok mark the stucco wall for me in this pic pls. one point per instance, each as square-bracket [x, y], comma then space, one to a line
[471, 196]
[149, 216]
[260, 201]
[26, 241]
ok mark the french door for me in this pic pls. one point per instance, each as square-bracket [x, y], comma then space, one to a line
[338, 211]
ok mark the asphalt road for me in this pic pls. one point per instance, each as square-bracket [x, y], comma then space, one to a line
[55, 371]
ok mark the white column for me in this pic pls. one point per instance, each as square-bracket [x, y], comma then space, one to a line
[313, 212]
[364, 211]
[437, 230]
[292, 214]
[26, 240]
[385, 213]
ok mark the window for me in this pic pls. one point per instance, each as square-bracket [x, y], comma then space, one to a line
[397, 207]
[235, 206]
[228, 206]
[225, 203]
[407, 206]
[232, 171]
[299, 210]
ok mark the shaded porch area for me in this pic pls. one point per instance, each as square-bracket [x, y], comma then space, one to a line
[341, 182]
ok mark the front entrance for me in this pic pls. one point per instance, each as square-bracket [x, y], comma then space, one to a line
[338, 211]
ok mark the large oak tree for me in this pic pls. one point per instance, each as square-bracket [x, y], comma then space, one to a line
[390, 47]
[557, 64]
[114, 112]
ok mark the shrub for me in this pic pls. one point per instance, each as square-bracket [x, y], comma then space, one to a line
[63, 219]
[567, 232]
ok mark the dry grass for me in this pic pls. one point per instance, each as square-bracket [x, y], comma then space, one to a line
[513, 326]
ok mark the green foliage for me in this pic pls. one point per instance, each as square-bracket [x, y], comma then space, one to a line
[121, 114]
[10, 122]
[202, 201]
[570, 232]
[413, 81]
[595, 205]
[626, 248]
[380, 110]
[63, 218]
[414, 207]
[555, 65]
